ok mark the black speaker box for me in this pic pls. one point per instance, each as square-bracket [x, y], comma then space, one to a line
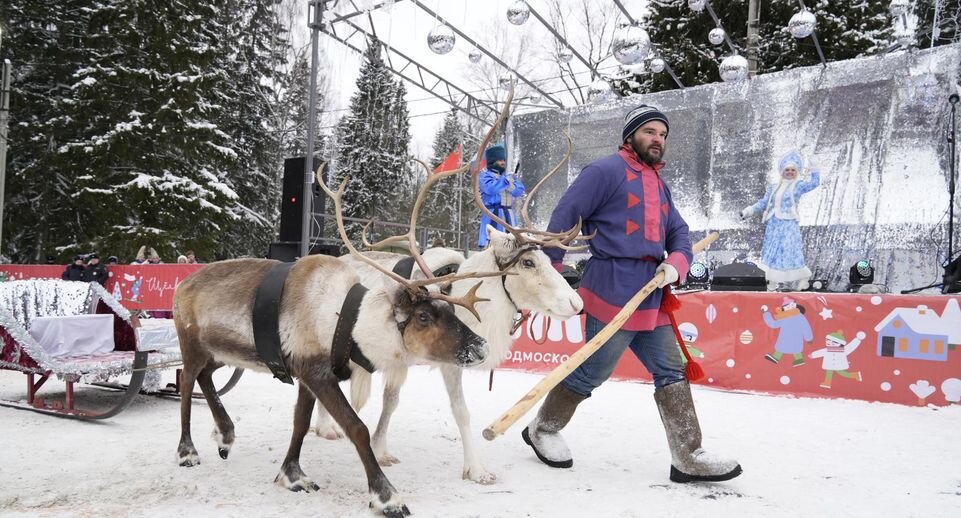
[291, 201]
[738, 277]
[289, 251]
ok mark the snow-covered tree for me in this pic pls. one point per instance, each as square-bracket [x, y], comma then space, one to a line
[373, 138]
[46, 47]
[845, 30]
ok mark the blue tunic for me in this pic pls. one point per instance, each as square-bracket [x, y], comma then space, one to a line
[491, 184]
[630, 207]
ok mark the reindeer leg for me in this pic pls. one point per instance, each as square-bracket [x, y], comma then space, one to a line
[473, 468]
[383, 496]
[224, 431]
[291, 476]
[393, 380]
[186, 452]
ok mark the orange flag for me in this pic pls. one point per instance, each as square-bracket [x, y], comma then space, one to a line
[451, 162]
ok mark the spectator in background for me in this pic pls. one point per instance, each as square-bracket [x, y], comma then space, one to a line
[112, 260]
[154, 257]
[182, 259]
[74, 272]
[141, 255]
[191, 258]
[95, 271]
[51, 259]
[498, 190]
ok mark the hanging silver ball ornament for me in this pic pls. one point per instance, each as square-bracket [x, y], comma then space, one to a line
[733, 68]
[441, 39]
[518, 12]
[475, 55]
[658, 65]
[696, 5]
[904, 37]
[599, 91]
[631, 45]
[505, 81]
[802, 24]
[899, 7]
[565, 55]
[716, 36]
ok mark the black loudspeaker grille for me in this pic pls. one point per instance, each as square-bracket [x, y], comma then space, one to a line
[290, 201]
[739, 277]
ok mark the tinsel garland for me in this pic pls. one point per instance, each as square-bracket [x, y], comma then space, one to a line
[21, 301]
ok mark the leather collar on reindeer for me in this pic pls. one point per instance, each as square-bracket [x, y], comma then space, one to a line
[266, 321]
[503, 267]
[405, 267]
[344, 347]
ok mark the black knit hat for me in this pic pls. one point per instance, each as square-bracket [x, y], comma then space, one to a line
[640, 116]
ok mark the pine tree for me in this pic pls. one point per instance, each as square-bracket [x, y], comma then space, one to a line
[372, 146]
[845, 30]
[46, 48]
[252, 118]
[441, 206]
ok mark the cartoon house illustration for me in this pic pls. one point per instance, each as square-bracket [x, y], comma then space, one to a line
[918, 333]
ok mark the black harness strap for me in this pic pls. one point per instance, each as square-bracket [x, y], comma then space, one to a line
[404, 267]
[344, 347]
[266, 321]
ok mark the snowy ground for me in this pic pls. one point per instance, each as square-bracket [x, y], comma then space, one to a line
[801, 457]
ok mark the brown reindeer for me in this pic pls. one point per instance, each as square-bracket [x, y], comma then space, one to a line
[395, 323]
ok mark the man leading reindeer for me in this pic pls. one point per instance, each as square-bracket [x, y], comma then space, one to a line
[623, 198]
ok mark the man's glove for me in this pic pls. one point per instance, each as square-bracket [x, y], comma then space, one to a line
[670, 274]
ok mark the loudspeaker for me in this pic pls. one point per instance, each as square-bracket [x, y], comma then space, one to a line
[291, 203]
[738, 277]
[289, 251]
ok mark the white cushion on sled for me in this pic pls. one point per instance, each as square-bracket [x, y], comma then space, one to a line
[156, 334]
[74, 335]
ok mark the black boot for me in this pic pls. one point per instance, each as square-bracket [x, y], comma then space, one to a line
[542, 433]
[689, 462]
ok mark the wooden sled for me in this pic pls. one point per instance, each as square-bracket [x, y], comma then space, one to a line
[62, 306]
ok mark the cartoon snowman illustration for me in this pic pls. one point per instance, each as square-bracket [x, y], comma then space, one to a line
[689, 334]
[835, 356]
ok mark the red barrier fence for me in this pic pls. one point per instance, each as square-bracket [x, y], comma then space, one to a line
[910, 352]
[136, 286]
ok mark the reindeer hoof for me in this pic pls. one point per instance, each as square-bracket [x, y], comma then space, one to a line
[396, 512]
[295, 480]
[480, 476]
[387, 460]
[223, 452]
[329, 433]
[189, 460]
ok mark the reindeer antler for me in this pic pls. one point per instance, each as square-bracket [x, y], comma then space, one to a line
[523, 235]
[416, 288]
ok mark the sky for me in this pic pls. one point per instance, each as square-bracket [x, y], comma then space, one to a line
[801, 457]
[406, 26]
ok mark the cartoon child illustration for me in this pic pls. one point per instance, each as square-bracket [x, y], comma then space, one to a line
[689, 334]
[835, 356]
[135, 290]
[793, 330]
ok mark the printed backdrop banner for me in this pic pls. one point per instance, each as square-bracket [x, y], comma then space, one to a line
[136, 286]
[888, 348]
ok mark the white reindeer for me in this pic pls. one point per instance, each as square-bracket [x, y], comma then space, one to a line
[397, 322]
[530, 283]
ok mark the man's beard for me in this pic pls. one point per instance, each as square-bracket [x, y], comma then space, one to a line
[646, 156]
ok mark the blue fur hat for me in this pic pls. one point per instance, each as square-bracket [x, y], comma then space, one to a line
[791, 158]
[495, 153]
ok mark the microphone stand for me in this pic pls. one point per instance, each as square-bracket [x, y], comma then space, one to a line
[952, 140]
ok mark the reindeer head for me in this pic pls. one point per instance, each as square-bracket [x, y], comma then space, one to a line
[425, 317]
[535, 285]
[432, 332]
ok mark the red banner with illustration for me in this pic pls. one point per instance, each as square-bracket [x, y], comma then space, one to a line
[136, 286]
[890, 348]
